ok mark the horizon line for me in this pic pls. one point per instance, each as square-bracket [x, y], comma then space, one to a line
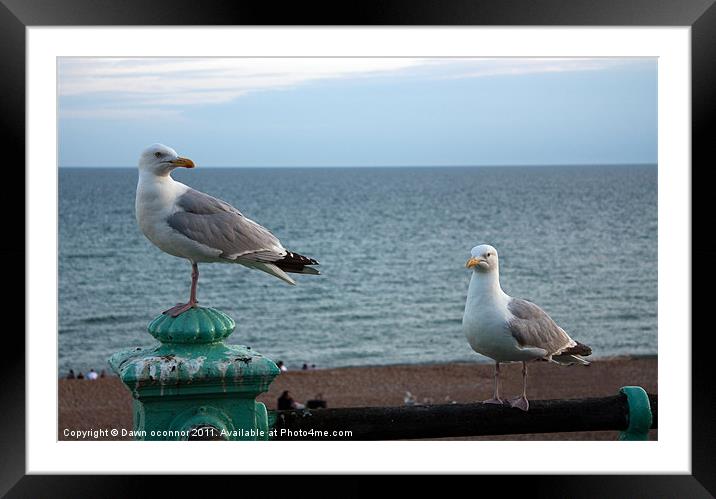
[524, 165]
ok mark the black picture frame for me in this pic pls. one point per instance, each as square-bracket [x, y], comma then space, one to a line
[700, 15]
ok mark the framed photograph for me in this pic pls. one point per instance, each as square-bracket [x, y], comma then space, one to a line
[375, 156]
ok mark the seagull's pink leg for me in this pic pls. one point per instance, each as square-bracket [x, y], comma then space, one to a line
[194, 281]
[522, 402]
[180, 308]
[496, 397]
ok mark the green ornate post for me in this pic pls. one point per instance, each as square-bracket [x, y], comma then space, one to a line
[193, 385]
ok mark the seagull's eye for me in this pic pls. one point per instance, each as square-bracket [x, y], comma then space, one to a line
[158, 154]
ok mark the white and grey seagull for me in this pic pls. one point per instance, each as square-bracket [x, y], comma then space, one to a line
[510, 329]
[189, 224]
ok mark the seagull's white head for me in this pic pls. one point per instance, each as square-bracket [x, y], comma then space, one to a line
[160, 160]
[483, 258]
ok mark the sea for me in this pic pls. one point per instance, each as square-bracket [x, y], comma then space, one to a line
[580, 241]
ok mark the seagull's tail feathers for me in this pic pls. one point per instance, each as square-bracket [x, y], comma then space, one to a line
[568, 360]
[302, 270]
[573, 354]
[274, 270]
[270, 268]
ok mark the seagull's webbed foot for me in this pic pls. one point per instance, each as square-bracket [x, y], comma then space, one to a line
[494, 400]
[179, 309]
[520, 403]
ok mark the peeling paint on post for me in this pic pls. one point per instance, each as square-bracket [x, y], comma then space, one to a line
[194, 386]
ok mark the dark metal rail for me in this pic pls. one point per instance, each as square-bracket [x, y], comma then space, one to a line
[457, 420]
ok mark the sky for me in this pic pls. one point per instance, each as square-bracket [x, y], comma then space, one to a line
[255, 112]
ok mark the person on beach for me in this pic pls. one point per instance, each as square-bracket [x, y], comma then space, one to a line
[318, 402]
[286, 402]
[80, 375]
[92, 374]
[71, 374]
[103, 374]
[281, 366]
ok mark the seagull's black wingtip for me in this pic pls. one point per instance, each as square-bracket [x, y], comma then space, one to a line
[298, 264]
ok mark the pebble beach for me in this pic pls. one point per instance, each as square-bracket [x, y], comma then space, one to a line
[106, 404]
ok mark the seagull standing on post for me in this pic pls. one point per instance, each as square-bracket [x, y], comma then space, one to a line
[510, 329]
[189, 224]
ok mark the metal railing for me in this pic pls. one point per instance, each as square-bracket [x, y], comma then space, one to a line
[632, 412]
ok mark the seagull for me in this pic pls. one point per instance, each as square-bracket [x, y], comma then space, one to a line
[189, 224]
[508, 329]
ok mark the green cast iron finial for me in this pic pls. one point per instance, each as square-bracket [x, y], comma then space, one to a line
[196, 325]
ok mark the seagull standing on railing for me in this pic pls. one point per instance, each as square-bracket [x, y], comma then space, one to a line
[510, 329]
[189, 224]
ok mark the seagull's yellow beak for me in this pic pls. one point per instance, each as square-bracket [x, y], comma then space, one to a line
[472, 262]
[183, 162]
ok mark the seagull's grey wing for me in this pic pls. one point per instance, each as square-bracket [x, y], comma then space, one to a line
[217, 224]
[532, 327]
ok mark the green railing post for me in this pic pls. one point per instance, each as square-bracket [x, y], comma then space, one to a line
[193, 385]
[640, 417]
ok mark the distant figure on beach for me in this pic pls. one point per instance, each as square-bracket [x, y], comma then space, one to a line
[317, 402]
[305, 367]
[281, 366]
[313, 366]
[103, 374]
[409, 399]
[92, 374]
[510, 329]
[286, 402]
[80, 375]
[71, 374]
[187, 223]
